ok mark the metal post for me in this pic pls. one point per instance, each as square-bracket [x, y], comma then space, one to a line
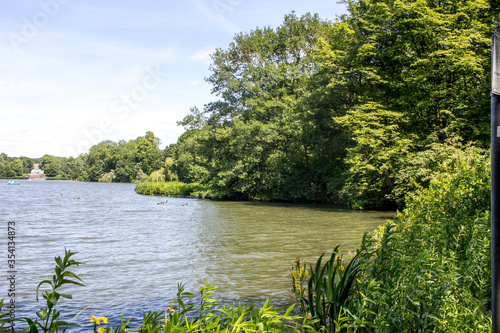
[495, 218]
[495, 182]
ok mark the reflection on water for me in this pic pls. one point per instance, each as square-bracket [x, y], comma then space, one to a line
[136, 252]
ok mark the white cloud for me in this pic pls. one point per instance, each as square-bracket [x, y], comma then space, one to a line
[203, 55]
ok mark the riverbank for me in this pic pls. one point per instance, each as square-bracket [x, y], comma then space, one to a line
[170, 189]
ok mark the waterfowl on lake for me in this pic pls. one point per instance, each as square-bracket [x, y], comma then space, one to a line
[184, 205]
[163, 202]
[77, 198]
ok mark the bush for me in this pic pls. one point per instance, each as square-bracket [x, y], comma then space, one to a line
[168, 189]
[430, 269]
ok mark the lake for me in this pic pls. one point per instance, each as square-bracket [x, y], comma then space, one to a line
[136, 251]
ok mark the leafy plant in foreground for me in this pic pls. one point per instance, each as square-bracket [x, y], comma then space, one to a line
[330, 288]
[48, 317]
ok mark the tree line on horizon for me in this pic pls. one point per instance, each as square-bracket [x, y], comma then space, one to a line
[358, 111]
[107, 161]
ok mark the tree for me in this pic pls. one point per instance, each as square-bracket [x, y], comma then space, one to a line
[17, 167]
[253, 143]
[194, 120]
[409, 74]
[148, 153]
[51, 165]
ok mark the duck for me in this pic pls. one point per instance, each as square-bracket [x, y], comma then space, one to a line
[163, 202]
[77, 198]
[184, 205]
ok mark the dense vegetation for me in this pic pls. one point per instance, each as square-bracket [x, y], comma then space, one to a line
[339, 112]
[107, 161]
[388, 106]
[428, 270]
[314, 110]
[171, 188]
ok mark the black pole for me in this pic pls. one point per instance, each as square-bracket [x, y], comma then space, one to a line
[495, 218]
[495, 182]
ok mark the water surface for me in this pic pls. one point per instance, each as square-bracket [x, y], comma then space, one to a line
[136, 251]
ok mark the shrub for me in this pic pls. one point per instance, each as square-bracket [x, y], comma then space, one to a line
[168, 189]
[432, 269]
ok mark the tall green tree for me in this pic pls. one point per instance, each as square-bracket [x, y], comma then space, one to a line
[148, 153]
[424, 63]
[51, 165]
[254, 137]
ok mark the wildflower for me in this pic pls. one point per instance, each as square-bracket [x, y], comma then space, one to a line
[166, 320]
[97, 322]
[171, 308]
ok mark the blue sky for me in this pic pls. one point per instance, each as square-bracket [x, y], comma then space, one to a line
[75, 72]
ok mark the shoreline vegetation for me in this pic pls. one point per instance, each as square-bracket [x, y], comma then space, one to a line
[170, 189]
[387, 107]
[428, 269]
[356, 112]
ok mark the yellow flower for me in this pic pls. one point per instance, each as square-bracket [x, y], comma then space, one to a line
[171, 308]
[98, 320]
[101, 330]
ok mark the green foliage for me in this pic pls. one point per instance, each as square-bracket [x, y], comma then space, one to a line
[157, 176]
[168, 189]
[331, 289]
[431, 271]
[428, 270]
[48, 318]
[194, 120]
[253, 144]
[5, 320]
[51, 165]
[148, 154]
[169, 170]
[314, 110]
[373, 161]
[190, 313]
[209, 316]
[121, 161]
[418, 168]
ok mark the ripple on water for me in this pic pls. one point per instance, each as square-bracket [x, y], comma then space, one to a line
[136, 252]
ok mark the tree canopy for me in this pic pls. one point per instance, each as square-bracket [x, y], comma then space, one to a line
[333, 111]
